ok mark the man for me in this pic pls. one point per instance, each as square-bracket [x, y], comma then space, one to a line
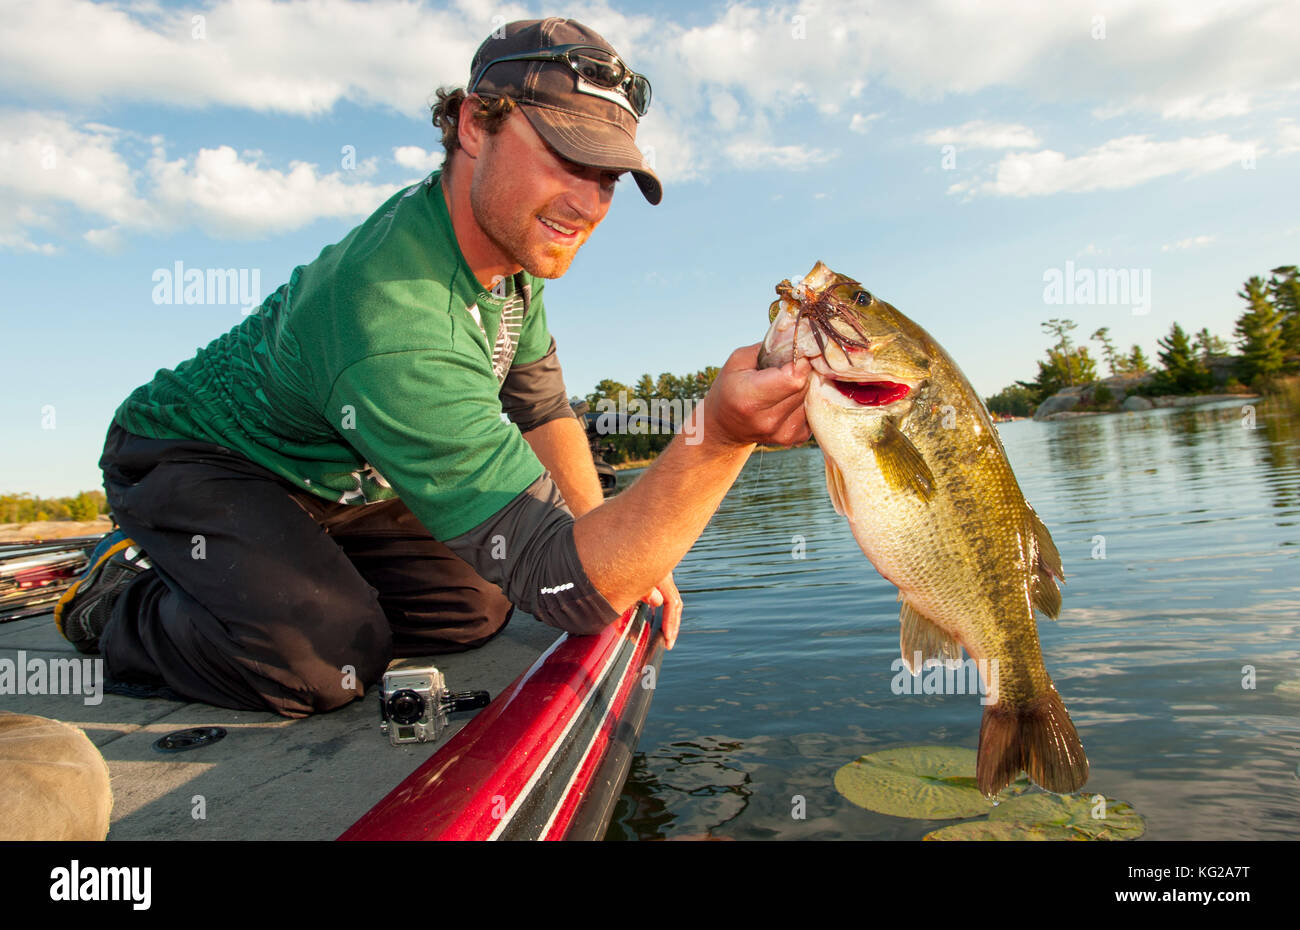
[331, 483]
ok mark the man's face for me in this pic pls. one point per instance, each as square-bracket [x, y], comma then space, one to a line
[535, 206]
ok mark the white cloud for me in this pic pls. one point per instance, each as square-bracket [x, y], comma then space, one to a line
[724, 88]
[749, 154]
[1195, 242]
[1116, 164]
[18, 241]
[49, 168]
[861, 123]
[978, 134]
[724, 109]
[109, 239]
[1190, 51]
[669, 147]
[1288, 137]
[417, 159]
[1205, 107]
[238, 197]
[45, 158]
[300, 58]
[54, 174]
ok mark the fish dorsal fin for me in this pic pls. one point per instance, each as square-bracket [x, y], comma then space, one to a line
[835, 485]
[1046, 568]
[920, 634]
[901, 463]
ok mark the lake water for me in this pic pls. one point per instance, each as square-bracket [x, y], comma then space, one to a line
[782, 671]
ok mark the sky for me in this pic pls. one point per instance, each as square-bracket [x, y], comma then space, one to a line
[956, 158]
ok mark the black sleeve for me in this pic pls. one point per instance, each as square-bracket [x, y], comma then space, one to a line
[534, 393]
[527, 549]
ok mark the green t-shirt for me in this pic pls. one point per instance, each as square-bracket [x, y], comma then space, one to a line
[374, 372]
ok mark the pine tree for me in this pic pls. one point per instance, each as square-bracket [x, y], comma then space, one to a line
[1116, 362]
[1183, 371]
[1208, 347]
[1066, 364]
[1284, 289]
[1137, 361]
[1061, 330]
[1259, 331]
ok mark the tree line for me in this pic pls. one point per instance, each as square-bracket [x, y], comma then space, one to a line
[24, 508]
[679, 392]
[1267, 335]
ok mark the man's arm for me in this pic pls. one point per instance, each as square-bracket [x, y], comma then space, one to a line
[579, 575]
[561, 446]
[634, 539]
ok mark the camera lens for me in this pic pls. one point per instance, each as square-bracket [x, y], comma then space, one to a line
[405, 706]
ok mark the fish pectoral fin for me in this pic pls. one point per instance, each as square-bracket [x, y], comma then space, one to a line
[1049, 559]
[1044, 592]
[835, 485]
[901, 463]
[921, 635]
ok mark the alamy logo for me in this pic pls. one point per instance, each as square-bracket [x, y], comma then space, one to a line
[213, 286]
[935, 676]
[1121, 287]
[103, 883]
[53, 676]
[557, 589]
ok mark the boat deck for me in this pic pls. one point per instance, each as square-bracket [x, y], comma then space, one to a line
[270, 778]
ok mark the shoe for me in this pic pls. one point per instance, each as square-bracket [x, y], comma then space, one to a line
[84, 609]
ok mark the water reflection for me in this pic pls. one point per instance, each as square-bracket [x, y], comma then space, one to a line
[1277, 436]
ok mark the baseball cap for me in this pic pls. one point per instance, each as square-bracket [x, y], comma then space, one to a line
[583, 122]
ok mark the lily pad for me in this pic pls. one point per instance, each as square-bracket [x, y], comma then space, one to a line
[1003, 830]
[921, 782]
[1051, 817]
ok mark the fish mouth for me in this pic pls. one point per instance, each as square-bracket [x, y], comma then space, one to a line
[866, 393]
[872, 393]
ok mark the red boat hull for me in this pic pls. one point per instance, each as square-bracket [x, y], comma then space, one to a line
[546, 759]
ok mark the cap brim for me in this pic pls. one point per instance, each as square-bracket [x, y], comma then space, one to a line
[595, 143]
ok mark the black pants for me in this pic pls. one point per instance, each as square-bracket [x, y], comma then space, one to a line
[266, 596]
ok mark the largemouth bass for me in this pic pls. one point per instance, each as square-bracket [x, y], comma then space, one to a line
[914, 463]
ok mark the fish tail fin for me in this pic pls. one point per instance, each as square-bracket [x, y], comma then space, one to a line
[1037, 738]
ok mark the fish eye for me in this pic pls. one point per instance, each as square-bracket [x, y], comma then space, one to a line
[773, 310]
[851, 292]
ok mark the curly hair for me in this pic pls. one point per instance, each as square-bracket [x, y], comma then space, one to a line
[491, 113]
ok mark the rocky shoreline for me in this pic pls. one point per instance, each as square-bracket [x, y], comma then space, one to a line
[1136, 404]
[1120, 395]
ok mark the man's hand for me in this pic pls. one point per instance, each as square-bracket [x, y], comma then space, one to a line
[748, 405]
[665, 594]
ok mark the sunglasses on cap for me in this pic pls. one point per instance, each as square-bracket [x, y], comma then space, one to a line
[594, 66]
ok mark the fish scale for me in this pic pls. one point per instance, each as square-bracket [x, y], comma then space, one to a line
[932, 501]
